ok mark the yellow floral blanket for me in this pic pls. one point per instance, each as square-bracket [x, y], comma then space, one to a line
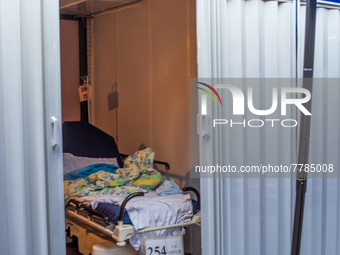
[137, 175]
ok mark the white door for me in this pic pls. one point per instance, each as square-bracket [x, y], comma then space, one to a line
[264, 39]
[31, 189]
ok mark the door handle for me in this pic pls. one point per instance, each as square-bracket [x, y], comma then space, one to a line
[55, 138]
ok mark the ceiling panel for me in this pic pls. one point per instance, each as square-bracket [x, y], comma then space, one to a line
[87, 7]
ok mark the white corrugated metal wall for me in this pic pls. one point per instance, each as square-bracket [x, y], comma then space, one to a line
[321, 226]
[250, 39]
[31, 190]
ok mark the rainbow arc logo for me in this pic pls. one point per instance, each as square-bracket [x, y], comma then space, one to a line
[209, 93]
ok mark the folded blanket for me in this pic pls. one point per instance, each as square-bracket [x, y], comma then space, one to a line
[169, 187]
[137, 175]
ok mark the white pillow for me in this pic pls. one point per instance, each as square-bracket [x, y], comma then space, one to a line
[72, 162]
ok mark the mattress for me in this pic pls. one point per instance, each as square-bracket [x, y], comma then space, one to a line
[112, 212]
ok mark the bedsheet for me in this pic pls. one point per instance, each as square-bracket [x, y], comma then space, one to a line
[156, 212]
[112, 212]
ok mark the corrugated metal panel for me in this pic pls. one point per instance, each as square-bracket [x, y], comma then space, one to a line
[321, 229]
[253, 39]
[29, 53]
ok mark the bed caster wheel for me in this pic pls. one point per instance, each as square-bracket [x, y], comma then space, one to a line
[123, 243]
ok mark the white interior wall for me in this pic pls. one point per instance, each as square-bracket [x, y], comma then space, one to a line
[69, 60]
[149, 50]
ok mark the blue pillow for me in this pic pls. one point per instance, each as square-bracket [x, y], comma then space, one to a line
[88, 170]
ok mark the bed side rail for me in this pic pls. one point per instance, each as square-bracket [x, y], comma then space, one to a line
[127, 199]
[197, 195]
[138, 194]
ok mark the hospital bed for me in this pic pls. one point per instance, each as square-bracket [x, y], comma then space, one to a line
[107, 229]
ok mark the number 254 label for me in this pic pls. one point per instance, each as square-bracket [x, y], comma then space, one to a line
[164, 246]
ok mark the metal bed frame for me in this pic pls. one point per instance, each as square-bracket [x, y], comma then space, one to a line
[122, 232]
[83, 139]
